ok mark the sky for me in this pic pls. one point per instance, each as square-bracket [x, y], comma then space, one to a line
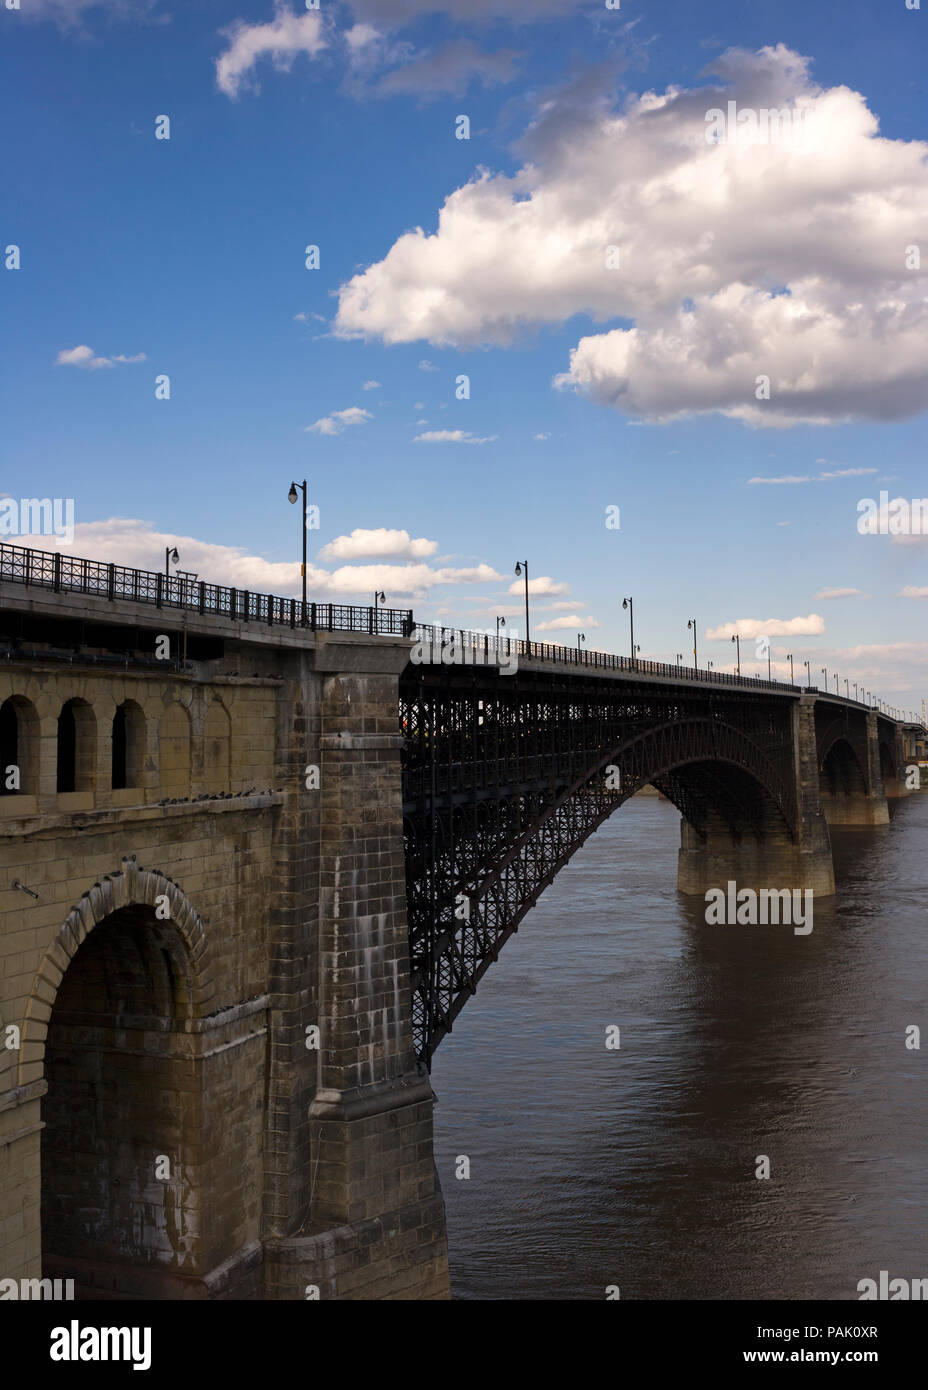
[505, 280]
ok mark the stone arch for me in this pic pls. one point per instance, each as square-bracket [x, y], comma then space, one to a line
[126, 887]
[19, 744]
[842, 771]
[77, 747]
[217, 741]
[174, 752]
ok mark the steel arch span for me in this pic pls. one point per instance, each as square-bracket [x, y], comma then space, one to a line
[504, 781]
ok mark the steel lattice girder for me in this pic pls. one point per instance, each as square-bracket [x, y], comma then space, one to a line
[504, 780]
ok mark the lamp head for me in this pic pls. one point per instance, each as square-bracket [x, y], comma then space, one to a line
[518, 567]
[291, 495]
[174, 555]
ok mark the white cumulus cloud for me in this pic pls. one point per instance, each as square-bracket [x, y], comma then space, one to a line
[783, 259]
[362, 543]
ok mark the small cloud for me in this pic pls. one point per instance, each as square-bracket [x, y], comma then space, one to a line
[426, 366]
[540, 437]
[910, 591]
[542, 587]
[340, 420]
[768, 627]
[784, 523]
[83, 356]
[848, 473]
[840, 593]
[790, 478]
[571, 620]
[282, 39]
[372, 386]
[362, 544]
[453, 437]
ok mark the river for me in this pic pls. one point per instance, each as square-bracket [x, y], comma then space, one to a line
[635, 1167]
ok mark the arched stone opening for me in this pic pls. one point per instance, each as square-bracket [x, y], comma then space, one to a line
[19, 747]
[121, 1149]
[76, 756]
[128, 746]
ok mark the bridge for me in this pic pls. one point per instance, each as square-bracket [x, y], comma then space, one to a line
[255, 856]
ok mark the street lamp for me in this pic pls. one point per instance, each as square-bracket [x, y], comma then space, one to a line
[679, 658]
[790, 659]
[709, 665]
[692, 624]
[169, 556]
[825, 674]
[847, 689]
[581, 637]
[737, 640]
[500, 622]
[630, 605]
[522, 566]
[292, 498]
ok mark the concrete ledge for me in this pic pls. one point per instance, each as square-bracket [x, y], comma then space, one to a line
[359, 1103]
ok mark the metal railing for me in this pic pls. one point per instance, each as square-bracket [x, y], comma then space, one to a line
[500, 651]
[491, 651]
[70, 574]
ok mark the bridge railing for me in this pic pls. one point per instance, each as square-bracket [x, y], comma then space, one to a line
[72, 574]
[501, 650]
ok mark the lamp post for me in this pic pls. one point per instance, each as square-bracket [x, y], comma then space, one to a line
[581, 637]
[692, 624]
[169, 556]
[790, 658]
[522, 567]
[737, 639]
[825, 674]
[709, 665]
[379, 598]
[855, 690]
[500, 622]
[847, 689]
[679, 658]
[292, 497]
[630, 605]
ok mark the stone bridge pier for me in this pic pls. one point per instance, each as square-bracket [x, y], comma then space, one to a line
[373, 1218]
[750, 839]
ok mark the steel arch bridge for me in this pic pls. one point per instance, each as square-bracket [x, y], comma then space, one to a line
[505, 778]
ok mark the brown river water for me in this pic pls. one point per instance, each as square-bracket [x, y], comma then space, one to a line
[635, 1167]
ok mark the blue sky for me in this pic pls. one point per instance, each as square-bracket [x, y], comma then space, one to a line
[336, 128]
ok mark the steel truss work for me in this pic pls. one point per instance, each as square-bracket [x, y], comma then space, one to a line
[505, 778]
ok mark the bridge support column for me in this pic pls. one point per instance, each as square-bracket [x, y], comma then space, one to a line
[771, 855]
[376, 1225]
[853, 795]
